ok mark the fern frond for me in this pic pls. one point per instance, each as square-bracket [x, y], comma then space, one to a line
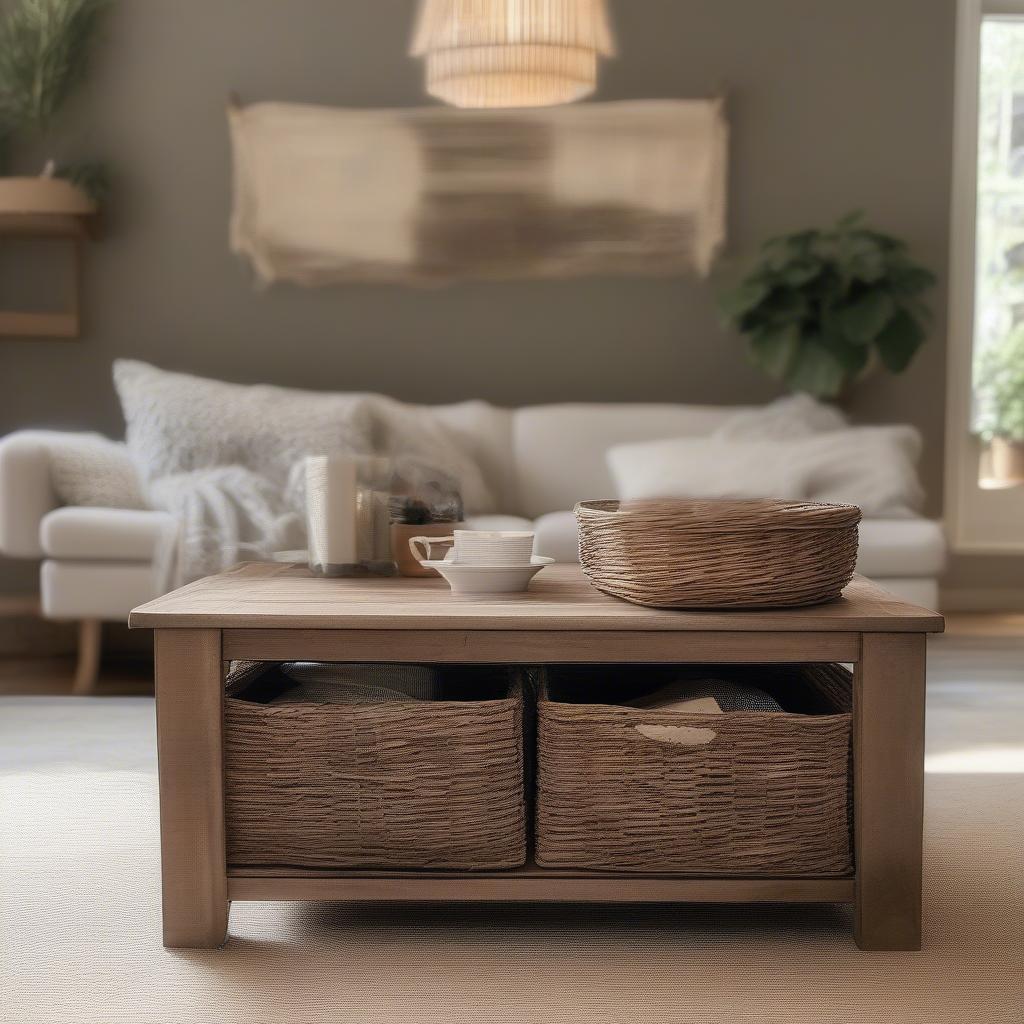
[44, 49]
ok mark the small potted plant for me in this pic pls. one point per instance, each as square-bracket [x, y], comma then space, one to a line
[1000, 388]
[821, 307]
[44, 50]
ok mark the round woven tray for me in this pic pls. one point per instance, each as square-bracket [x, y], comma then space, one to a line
[719, 554]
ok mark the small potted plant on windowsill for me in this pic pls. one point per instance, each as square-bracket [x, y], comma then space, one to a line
[1000, 388]
[822, 307]
[44, 49]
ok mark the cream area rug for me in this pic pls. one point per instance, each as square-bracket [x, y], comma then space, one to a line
[80, 935]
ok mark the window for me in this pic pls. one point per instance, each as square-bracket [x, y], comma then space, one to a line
[985, 443]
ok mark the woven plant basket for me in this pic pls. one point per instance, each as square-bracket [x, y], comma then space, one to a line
[768, 794]
[719, 554]
[396, 784]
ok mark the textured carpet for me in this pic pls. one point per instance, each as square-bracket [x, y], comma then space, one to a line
[79, 907]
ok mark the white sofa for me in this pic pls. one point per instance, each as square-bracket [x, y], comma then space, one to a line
[98, 563]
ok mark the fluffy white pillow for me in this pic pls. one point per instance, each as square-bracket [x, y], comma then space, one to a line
[91, 471]
[872, 467]
[177, 423]
[785, 419]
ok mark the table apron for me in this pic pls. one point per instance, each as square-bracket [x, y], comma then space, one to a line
[482, 646]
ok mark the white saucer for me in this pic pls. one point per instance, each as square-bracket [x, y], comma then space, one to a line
[489, 579]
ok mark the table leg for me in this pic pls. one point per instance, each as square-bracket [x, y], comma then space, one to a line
[888, 757]
[189, 697]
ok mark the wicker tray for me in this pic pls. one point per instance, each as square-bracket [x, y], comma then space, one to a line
[768, 795]
[396, 784]
[719, 554]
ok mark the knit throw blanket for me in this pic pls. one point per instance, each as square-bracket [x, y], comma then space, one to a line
[225, 515]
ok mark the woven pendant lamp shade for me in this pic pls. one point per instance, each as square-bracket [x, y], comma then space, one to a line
[511, 53]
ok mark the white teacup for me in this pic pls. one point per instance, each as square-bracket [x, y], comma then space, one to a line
[479, 547]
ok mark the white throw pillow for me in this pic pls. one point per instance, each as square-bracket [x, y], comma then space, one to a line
[872, 467]
[414, 430]
[91, 471]
[704, 467]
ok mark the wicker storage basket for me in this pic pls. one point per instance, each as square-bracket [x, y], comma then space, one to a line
[718, 554]
[396, 784]
[768, 795]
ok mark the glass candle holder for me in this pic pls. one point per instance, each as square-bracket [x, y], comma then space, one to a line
[348, 515]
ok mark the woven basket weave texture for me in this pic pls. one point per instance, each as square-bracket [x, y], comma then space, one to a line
[770, 794]
[397, 784]
[720, 554]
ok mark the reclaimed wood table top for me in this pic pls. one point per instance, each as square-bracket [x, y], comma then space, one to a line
[268, 595]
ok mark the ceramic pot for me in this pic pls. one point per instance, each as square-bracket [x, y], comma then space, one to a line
[401, 533]
[1007, 460]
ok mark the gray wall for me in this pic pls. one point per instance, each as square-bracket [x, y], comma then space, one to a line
[835, 105]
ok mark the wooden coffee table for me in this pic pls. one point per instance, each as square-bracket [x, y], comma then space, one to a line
[270, 612]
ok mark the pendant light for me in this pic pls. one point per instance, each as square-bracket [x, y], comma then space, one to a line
[511, 53]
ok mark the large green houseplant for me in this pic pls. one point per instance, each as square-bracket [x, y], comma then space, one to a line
[44, 56]
[1000, 387]
[821, 306]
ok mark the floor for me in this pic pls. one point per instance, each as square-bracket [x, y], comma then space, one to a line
[120, 677]
[79, 905]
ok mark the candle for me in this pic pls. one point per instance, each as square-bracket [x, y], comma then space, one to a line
[331, 493]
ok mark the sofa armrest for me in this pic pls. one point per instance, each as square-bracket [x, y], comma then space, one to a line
[26, 491]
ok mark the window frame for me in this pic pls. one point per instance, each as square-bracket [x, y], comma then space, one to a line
[970, 510]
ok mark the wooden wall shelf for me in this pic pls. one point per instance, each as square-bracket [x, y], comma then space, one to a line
[48, 225]
[60, 227]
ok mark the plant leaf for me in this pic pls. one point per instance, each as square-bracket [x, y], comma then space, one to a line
[866, 266]
[862, 320]
[1000, 381]
[800, 273]
[742, 299]
[908, 279]
[780, 307]
[773, 349]
[44, 50]
[852, 356]
[900, 339]
[816, 371]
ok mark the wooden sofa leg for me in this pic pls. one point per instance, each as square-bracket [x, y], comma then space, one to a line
[89, 646]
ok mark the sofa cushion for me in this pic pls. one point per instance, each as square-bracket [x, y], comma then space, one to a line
[497, 522]
[560, 450]
[121, 535]
[901, 547]
[558, 536]
[96, 590]
[485, 432]
[418, 432]
[920, 590]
